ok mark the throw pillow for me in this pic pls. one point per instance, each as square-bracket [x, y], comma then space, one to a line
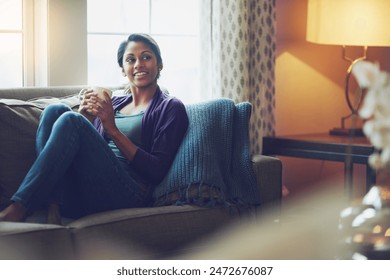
[72, 101]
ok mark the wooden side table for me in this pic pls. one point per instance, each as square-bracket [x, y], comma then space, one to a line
[322, 146]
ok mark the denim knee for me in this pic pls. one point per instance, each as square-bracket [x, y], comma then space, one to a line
[55, 110]
[73, 119]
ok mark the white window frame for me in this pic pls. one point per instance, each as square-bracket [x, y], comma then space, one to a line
[28, 47]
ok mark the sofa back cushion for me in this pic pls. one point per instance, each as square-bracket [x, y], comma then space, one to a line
[19, 122]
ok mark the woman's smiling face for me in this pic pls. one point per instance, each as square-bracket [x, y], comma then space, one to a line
[140, 65]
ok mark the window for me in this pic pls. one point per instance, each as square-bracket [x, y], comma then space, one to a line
[28, 52]
[174, 24]
[11, 42]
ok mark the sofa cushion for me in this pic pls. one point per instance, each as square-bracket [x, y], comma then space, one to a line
[24, 241]
[19, 121]
[147, 233]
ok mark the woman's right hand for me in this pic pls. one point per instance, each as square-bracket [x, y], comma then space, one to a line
[84, 96]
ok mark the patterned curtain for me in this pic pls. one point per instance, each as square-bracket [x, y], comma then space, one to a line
[238, 58]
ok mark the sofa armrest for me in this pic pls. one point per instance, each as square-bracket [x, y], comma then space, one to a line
[268, 172]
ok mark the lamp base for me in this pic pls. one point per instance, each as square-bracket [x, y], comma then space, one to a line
[346, 132]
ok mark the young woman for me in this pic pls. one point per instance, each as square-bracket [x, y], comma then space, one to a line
[112, 152]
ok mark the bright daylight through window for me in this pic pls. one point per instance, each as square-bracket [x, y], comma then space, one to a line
[11, 42]
[174, 24]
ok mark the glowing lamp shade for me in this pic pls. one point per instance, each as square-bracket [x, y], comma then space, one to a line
[349, 22]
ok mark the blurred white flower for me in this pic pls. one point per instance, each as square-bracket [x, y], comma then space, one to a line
[376, 109]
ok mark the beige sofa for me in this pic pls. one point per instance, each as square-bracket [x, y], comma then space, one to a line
[143, 233]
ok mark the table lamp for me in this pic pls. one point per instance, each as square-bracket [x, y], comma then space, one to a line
[349, 23]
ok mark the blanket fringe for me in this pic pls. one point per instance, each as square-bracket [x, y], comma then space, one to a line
[204, 195]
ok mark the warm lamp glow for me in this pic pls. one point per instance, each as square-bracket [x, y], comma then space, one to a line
[349, 22]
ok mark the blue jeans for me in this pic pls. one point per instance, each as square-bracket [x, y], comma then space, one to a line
[76, 167]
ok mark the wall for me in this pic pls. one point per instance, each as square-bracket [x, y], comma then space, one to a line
[67, 42]
[309, 88]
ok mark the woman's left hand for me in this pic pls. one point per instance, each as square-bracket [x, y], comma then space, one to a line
[103, 109]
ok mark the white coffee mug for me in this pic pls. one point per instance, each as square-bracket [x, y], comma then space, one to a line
[99, 90]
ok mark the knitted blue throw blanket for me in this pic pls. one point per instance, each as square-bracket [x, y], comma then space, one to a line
[214, 152]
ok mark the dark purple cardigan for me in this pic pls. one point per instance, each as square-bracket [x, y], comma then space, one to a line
[164, 125]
